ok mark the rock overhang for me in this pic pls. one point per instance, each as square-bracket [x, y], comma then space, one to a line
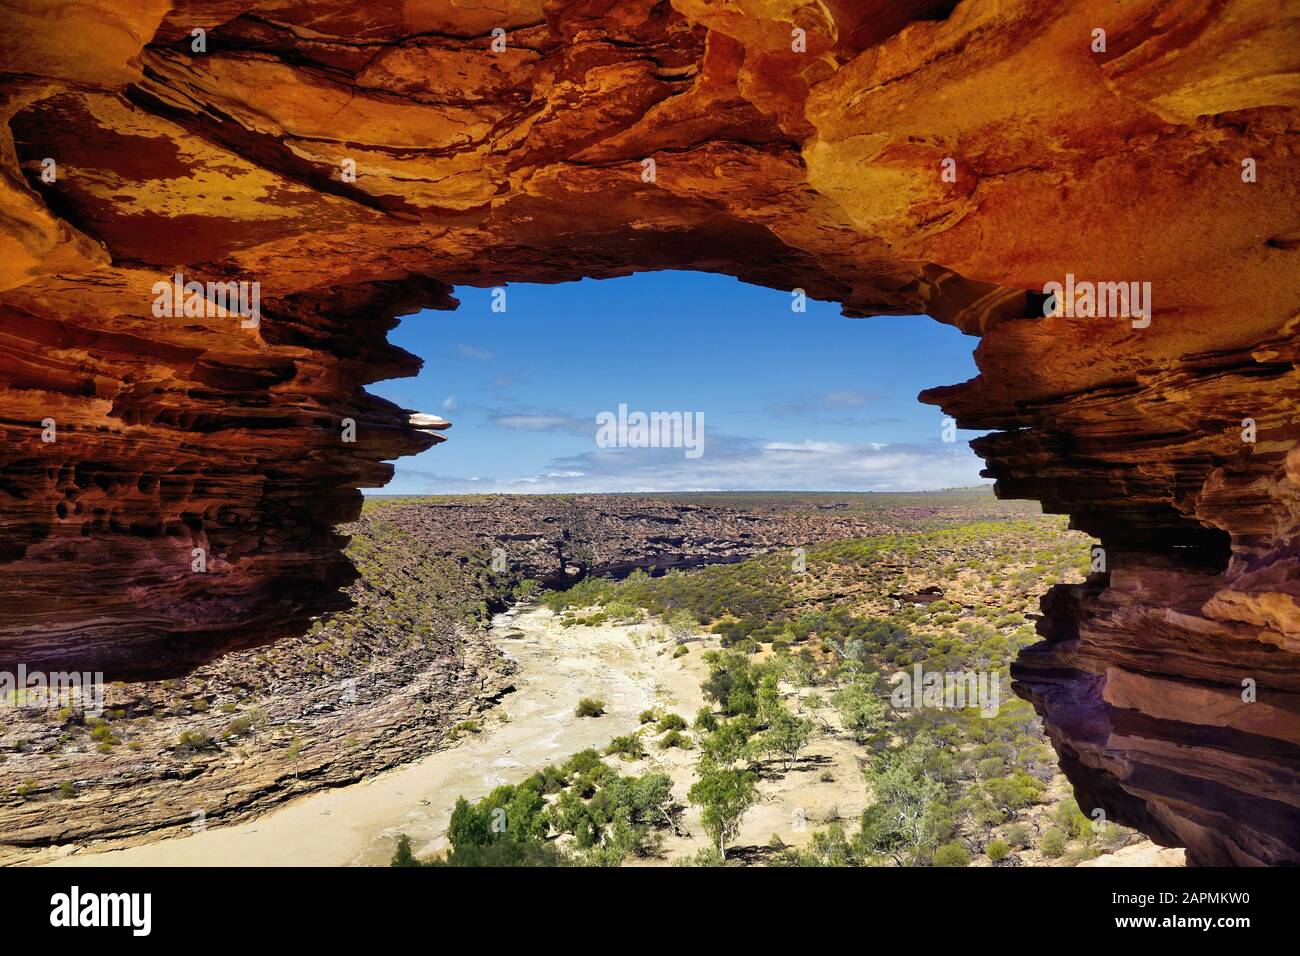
[924, 157]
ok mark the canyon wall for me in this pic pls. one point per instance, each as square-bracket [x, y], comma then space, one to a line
[171, 478]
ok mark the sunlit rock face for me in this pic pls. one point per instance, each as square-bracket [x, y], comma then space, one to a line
[358, 161]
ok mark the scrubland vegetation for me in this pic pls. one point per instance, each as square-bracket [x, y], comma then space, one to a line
[803, 646]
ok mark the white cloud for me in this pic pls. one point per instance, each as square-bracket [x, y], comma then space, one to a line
[819, 447]
[544, 422]
[730, 464]
[469, 351]
[846, 397]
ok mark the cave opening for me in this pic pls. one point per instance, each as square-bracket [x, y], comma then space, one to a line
[788, 394]
[931, 157]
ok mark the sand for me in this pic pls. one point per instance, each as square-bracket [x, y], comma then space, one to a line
[630, 668]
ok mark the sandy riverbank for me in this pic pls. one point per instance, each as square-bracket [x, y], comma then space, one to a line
[534, 726]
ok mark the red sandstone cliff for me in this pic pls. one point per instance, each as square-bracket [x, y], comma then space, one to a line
[795, 144]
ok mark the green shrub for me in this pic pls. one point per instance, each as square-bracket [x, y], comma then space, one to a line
[704, 856]
[621, 613]
[731, 683]
[1052, 844]
[628, 746]
[705, 721]
[549, 779]
[648, 717]
[1018, 834]
[1014, 792]
[583, 762]
[1081, 854]
[997, 850]
[590, 707]
[1072, 820]
[674, 738]
[503, 853]
[951, 854]
[103, 734]
[465, 727]
[671, 722]
[1112, 837]
[191, 740]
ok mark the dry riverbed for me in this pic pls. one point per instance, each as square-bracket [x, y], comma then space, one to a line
[630, 667]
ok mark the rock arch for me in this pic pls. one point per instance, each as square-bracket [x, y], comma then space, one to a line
[817, 165]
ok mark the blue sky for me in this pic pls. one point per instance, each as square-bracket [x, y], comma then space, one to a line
[790, 401]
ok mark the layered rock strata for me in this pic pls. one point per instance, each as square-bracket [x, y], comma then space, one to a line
[359, 161]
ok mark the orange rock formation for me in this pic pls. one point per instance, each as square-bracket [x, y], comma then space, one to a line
[358, 160]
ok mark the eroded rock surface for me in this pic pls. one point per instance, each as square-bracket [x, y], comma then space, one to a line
[795, 144]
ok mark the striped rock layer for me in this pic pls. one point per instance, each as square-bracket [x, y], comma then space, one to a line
[359, 160]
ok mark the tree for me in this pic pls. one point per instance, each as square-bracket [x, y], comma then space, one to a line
[469, 825]
[705, 721]
[905, 796]
[731, 683]
[526, 814]
[681, 625]
[727, 746]
[724, 797]
[769, 699]
[403, 856]
[786, 735]
[861, 709]
[570, 814]
[796, 669]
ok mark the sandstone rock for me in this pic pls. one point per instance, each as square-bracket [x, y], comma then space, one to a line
[818, 168]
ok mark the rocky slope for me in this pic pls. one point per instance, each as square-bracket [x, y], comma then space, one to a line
[358, 161]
